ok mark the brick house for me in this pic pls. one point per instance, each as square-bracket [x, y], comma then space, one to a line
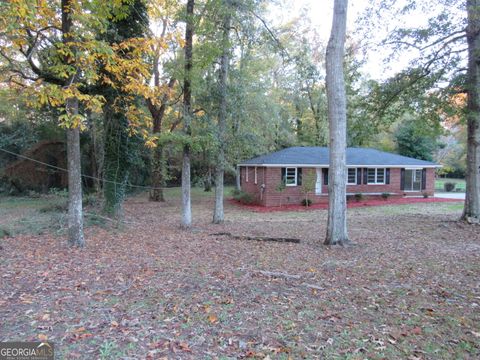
[281, 177]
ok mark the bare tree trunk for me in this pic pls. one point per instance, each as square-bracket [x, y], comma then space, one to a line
[186, 190]
[187, 98]
[75, 211]
[471, 211]
[238, 184]
[158, 174]
[75, 215]
[337, 115]
[207, 183]
[218, 214]
[97, 157]
[158, 160]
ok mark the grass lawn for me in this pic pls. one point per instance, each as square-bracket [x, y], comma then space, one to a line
[459, 184]
[408, 289]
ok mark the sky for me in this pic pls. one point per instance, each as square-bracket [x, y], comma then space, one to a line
[320, 13]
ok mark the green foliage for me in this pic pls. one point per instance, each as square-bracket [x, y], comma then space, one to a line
[281, 186]
[449, 186]
[453, 152]
[118, 161]
[235, 192]
[21, 127]
[55, 207]
[385, 195]
[90, 199]
[62, 193]
[4, 233]
[309, 179]
[120, 146]
[430, 86]
[358, 197]
[415, 140]
[16, 137]
[243, 197]
[306, 202]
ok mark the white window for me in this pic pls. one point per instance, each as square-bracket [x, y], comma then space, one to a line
[246, 173]
[376, 176]
[291, 176]
[352, 176]
[255, 175]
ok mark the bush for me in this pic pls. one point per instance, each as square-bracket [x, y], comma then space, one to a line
[235, 192]
[306, 202]
[358, 197]
[385, 195]
[425, 195]
[58, 192]
[449, 186]
[4, 233]
[90, 199]
[244, 197]
[54, 207]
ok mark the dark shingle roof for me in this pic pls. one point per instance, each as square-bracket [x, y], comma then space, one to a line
[318, 156]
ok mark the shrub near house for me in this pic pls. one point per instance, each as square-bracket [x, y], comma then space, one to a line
[370, 172]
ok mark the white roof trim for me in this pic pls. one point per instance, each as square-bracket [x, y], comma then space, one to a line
[348, 166]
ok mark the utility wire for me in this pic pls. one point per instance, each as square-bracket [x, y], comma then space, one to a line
[83, 175]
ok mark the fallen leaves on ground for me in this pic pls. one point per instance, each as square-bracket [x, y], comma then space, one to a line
[407, 289]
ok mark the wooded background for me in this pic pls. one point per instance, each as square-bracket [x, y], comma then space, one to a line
[149, 85]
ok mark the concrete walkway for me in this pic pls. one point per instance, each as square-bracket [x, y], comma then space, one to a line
[450, 195]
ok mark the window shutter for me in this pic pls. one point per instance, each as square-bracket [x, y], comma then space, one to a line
[365, 175]
[402, 179]
[299, 176]
[387, 176]
[424, 178]
[359, 176]
[284, 175]
[325, 176]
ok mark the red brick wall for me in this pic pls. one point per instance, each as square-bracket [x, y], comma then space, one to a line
[250, 186]
[271, 177]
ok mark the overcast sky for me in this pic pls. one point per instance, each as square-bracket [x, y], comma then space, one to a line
[320, 13]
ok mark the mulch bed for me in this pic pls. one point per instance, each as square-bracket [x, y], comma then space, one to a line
[350, 204]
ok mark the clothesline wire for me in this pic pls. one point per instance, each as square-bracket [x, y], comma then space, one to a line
[83, 175]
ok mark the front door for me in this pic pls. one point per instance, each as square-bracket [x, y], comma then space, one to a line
[413, 179]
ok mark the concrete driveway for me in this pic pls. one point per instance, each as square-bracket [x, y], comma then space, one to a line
[450, 195]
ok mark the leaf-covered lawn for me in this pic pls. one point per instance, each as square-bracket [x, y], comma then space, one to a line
[408, 289]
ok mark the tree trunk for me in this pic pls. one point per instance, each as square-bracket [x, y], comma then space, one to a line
[75, 211]
[471, 211]
[187, 98]
[97, 156]
[158, 160]
[158, 175]
[337, 115]
[117, 158]
[186, 190]
[218, 214]
[207, 183]
[238, 182]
